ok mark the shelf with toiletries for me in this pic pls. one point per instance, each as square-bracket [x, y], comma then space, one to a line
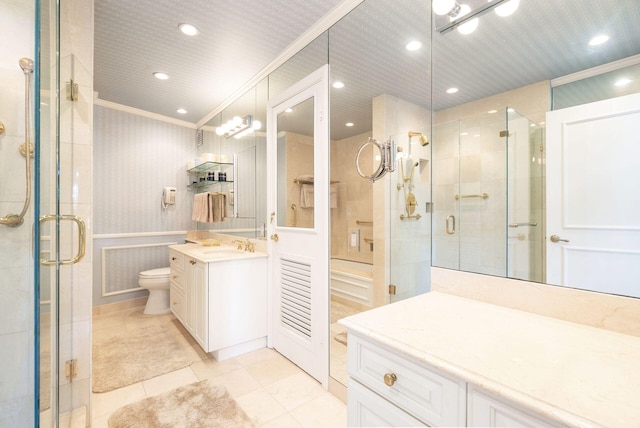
[210, 173]
[210, 166]
[205, 183]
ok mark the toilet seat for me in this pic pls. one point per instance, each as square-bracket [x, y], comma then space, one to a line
[156, 273]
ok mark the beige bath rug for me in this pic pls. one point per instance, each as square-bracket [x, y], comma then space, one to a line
[140, 355]
[341, 338]
[199, 405]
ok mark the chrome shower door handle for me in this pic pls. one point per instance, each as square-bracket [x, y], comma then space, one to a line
[82, 240]
[450, 230]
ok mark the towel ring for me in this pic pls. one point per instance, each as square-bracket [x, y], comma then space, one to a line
[387, 159]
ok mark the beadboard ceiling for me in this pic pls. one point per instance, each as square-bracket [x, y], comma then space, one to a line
[543, 40]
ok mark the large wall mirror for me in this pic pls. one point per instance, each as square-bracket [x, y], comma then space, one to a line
[496, 78]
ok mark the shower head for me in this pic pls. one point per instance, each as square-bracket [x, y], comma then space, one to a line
[423, 139]
[26, 64]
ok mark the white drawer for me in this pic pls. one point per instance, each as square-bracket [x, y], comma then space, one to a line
[176, 301]
[368, 409]
[423, 392]
[177, 278]
[486, 411]
[176, 260]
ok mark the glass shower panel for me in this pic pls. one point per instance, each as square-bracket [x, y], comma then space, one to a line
[525, 239]
[481, 202]
[446, 184]
[410, 224]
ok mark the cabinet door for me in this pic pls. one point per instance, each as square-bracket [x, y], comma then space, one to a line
[368, 409]
[486, 411]
[189, 294]
[200, 288]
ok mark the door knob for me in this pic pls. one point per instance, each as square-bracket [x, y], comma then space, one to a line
[275, 237]
[556, 238]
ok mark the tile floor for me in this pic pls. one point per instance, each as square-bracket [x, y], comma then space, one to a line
[272, 391]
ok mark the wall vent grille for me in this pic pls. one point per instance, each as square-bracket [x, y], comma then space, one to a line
[295, 297]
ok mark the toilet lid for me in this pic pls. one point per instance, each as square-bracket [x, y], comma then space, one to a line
[156, 272]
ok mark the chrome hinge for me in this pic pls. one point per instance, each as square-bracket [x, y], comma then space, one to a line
[392, 289]
[71, 369]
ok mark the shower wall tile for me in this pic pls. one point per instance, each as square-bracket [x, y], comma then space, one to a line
[16, 369]
[16, 304]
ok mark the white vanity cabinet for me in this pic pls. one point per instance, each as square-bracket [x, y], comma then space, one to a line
[442, 360]
[416, 394]
[221, 303]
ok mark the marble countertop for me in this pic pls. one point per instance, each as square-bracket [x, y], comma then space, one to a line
[220, 253]
[571, 373]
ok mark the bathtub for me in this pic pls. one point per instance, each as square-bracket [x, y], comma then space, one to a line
[352, 281]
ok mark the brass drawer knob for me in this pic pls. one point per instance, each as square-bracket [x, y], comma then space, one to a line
[390, 379]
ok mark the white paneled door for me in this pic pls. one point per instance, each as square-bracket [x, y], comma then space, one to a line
[593, 200]
[298, 187]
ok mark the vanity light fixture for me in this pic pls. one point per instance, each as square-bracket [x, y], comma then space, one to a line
[188, 29]
[338, 84]
[452, 90]
[413, 45]
[160, 75]
[465, 19]
[181, 111]
[238, 127]
[507, 8]
[598, 40]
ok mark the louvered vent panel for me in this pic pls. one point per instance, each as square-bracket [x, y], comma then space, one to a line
[295, 297]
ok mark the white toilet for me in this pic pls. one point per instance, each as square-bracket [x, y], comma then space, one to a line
[157, 282]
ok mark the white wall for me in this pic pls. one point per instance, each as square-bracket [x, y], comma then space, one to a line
[135, 156]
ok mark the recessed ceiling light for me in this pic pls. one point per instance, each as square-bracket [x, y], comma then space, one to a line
[289, 110]
[452, 90]
[598, 40]
[338, 84]
[348, 124]
[160, 75]
[464, 133]
[181, 111]
[188, 29]
[413, 45]
[492, 111]
[622, 82]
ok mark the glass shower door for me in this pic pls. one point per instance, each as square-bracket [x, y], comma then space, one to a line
[64, 302]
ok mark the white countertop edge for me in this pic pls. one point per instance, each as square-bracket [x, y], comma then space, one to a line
[188, 249]
[539, 407]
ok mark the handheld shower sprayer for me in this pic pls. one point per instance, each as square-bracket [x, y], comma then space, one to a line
[26, 149]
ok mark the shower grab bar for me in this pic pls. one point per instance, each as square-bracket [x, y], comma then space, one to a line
[531, 223]
[81, 239]
[364, 222]
[483, 196]
[26, 149]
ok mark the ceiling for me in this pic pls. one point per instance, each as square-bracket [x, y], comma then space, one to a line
[237, 39]
[543, 40]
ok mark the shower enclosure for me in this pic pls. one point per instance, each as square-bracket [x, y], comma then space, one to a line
[488, 185]
[45, 294]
